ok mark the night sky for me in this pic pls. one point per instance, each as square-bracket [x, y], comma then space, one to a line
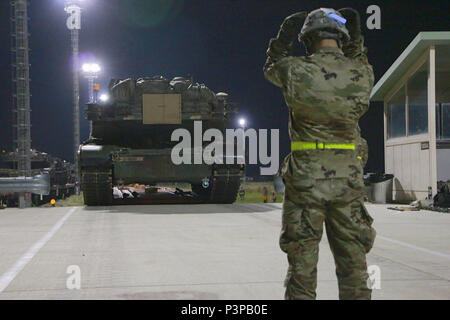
[221, 43]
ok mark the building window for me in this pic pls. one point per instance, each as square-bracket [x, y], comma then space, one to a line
[397, 115]
[443, 121]
[417, 91]
[443, 91]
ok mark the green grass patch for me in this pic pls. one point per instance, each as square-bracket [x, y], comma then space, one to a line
[253, 194]
[72, 201]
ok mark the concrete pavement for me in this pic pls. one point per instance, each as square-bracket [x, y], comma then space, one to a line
[201, 252]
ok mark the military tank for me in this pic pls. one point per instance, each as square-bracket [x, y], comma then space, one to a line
[130, 140]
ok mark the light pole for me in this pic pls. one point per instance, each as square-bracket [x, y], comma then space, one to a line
[73, 9]
[243, 124]
[21, 93]
[91, 71]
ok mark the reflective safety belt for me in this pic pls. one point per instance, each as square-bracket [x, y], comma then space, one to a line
[299, 146]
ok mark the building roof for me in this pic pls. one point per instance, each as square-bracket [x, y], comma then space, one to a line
[406, 59]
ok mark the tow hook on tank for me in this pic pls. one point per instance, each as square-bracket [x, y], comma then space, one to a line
[205, 183]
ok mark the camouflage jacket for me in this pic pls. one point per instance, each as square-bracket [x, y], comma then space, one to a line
[326, 93]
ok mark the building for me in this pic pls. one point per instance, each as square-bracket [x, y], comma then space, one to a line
[416, 95]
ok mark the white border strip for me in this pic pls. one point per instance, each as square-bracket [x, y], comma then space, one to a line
[9, 276]
[435, 253]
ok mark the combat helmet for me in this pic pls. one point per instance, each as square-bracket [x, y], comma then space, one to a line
[324, 23]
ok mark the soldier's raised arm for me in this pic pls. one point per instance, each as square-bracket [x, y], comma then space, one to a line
[355, 47]
[281, 47]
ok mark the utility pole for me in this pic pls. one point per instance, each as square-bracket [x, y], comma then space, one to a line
[73, 9]
[243, 124]
[21, 91]
[91, 71]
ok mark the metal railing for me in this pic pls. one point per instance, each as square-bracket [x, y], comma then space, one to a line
[38, 185]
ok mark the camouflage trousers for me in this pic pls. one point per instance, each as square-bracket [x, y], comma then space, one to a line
[339, 204]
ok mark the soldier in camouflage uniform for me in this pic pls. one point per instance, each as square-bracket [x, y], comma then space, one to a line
[327, 92]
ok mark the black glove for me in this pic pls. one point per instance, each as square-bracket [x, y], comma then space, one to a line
[292, 26]
[281, 46]
[353, 22]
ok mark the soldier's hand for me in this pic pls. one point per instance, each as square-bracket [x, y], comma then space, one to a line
[353, 22]
[297, 19]
[292, 26]
[281, 46]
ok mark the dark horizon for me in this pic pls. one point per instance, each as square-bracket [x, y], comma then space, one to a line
[220, 43]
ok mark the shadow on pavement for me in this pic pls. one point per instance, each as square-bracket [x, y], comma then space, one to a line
[187, 209]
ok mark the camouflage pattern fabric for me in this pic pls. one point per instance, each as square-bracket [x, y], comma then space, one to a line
[362, 148]
[326, 93]
[308, 204]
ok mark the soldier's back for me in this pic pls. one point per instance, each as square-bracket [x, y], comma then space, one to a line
[327, 93]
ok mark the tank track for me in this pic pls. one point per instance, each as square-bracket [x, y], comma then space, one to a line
[223, 189]
[97, 187]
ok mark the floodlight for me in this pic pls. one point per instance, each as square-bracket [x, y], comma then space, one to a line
[104, 97]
